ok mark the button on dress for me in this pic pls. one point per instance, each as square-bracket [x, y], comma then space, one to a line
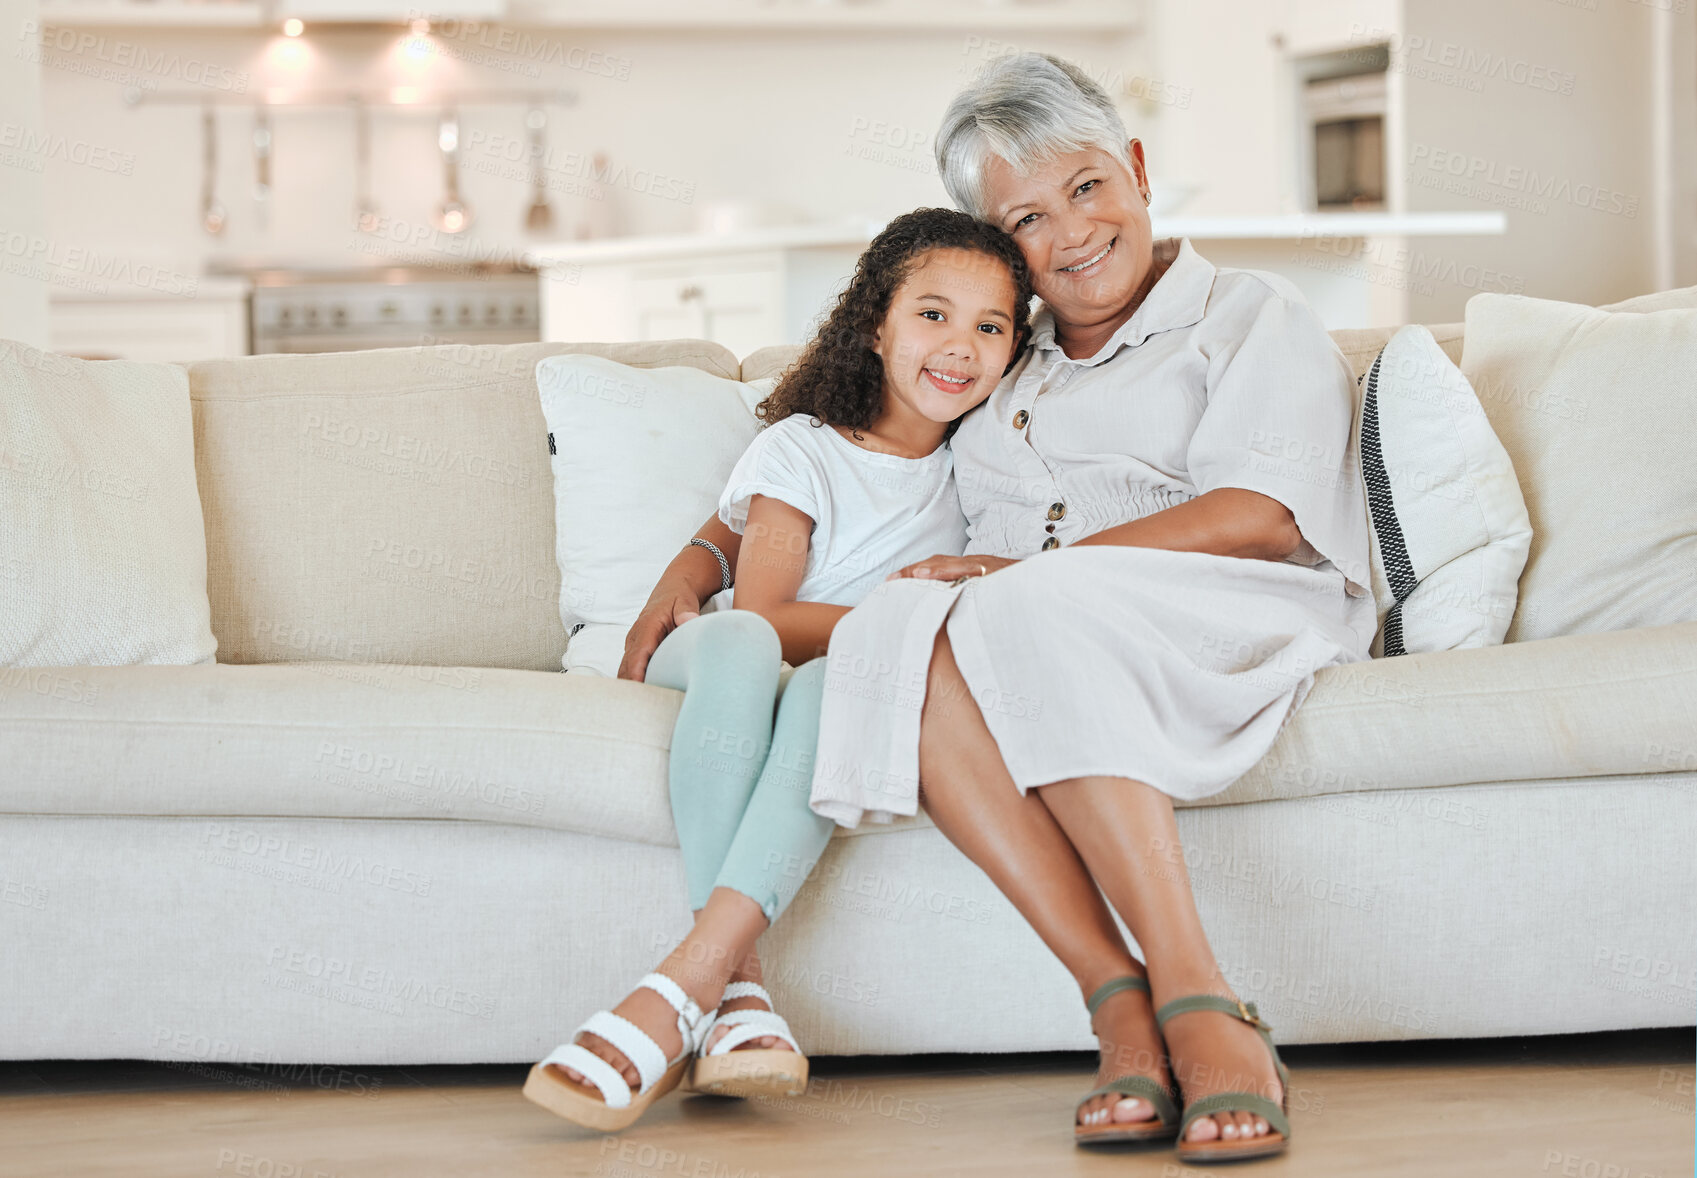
[1177, 669]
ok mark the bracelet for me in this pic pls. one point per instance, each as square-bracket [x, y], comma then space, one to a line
[724, 565]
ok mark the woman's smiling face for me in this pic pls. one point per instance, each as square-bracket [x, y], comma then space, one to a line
[1082, 222]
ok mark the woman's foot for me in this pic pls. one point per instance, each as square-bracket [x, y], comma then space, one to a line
[1130, 1046]
[1213, 1052]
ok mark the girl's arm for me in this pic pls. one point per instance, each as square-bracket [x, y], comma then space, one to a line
[771, 565]
[691, 578]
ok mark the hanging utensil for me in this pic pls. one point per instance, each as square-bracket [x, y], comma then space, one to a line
[539, 217]
[453, 215]
[366, 218]
[262, 161]
[213, 215]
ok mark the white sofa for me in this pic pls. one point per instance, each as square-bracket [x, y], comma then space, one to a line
[384, 828]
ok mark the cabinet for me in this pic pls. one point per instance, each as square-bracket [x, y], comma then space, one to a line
[745, 291]
[212, 324]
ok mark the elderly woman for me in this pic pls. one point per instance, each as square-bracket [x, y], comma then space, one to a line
[1167, 539]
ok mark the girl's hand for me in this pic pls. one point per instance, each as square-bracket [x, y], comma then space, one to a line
[952, 568]
[664, 613]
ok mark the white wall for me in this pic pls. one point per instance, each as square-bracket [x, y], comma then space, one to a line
[833, 125]
[1544, 109]
[23, 206]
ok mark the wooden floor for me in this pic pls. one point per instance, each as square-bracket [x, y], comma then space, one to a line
[1591, 1106]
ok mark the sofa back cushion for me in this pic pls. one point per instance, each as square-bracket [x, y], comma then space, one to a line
[1360, 345]
[392, 505]
[1595, 407]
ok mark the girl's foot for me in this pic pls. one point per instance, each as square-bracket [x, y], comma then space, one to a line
[749, 972]
[650, 1012]
[1213, 1052]
[1130, 1046]
[654, 1017]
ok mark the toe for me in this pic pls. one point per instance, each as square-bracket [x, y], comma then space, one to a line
[1228, 1127]
[1204, 1129]
[1245, 1125]
[1132, 1109]
[1090, 1112]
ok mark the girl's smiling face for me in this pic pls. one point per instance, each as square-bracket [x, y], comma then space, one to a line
[1082, 222]
[948, 335]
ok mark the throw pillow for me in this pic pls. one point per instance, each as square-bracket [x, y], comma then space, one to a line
[102, 548]
[1449, 526]
[639, 458]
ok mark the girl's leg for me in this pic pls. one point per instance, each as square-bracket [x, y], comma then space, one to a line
[780, 837]
[1128, 837]
[727, 666]
[1015, 840]
[775, 844]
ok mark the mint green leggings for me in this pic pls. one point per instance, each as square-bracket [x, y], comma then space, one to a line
[740, 781]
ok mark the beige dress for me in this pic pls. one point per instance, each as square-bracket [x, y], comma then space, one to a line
[1177, 669]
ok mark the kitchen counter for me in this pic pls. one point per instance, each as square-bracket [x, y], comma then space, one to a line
[859, 231]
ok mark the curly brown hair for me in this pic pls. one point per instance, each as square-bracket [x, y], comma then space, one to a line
[838, 378]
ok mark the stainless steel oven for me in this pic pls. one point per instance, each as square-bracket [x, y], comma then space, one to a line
[392, 307]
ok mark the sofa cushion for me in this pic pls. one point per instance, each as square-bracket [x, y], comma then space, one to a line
[102, 548]
[585, 754]
[1595, 408]
[392, 505]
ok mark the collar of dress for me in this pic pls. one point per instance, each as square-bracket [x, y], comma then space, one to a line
[1178, 299]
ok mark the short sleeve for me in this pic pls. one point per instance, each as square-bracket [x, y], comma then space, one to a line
[778, 465]
[1280, 420]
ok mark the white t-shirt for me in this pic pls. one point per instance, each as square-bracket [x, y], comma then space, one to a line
[872, 513]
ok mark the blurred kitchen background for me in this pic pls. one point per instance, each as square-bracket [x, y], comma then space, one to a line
[182, 179]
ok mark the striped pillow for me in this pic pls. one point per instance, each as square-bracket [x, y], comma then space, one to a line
[1449, 524]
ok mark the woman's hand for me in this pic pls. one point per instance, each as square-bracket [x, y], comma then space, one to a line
[952, 568]
[664, 613]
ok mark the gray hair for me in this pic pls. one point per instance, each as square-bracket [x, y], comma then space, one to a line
[1026, 108]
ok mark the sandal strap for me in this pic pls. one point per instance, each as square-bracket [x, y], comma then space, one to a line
[748, 990]
[596, 1070]
[632, 1042]
[1239, 1009]
[1243, 1011]
[1163, 1099]
[749, 1024]
[690, 1019]
[1111, 987]
[1224, 1102]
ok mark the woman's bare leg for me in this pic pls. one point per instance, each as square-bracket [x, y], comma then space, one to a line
[1127, 835]
[969, 795]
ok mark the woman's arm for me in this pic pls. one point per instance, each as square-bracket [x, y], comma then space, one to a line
[1228, 521]
[770, 569]
[691, 578]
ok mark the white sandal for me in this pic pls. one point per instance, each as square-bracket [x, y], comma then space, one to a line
[722, 1070]
[607, 1102]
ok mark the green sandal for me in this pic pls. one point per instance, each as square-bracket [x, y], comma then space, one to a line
[1164, 1100]
[1276, 1115]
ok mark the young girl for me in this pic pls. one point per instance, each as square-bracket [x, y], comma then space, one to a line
[851, 480]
